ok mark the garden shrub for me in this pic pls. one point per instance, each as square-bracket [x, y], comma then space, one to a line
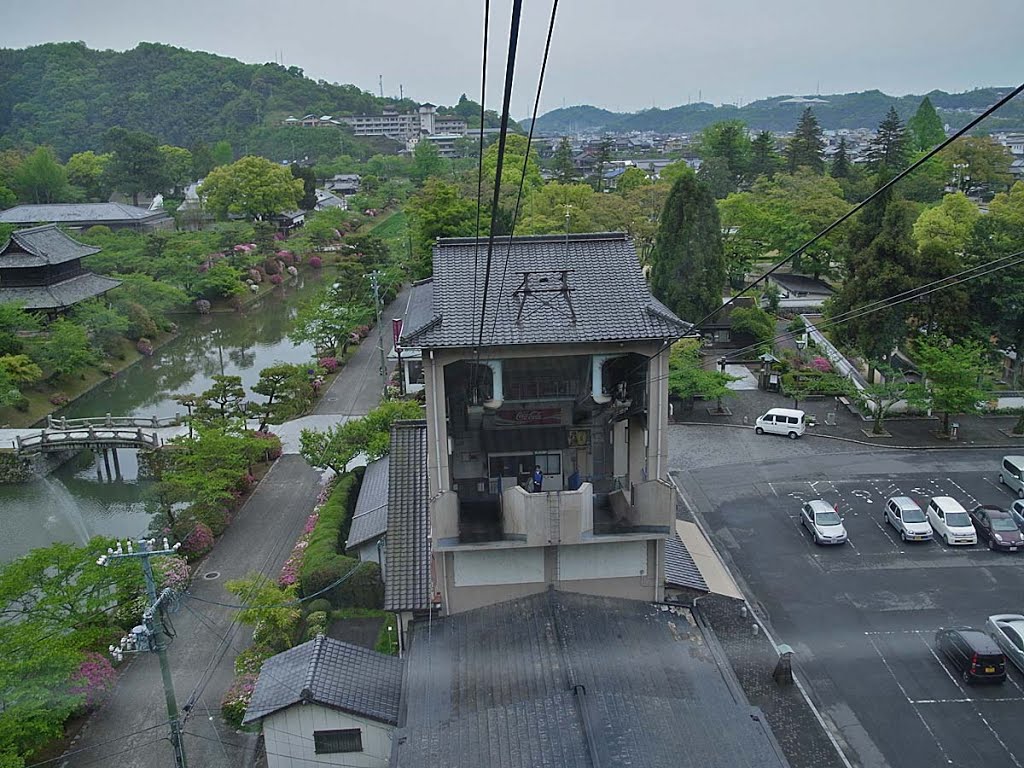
[237, 698]
[198, 542]
[251, 659]
[316, 624]
[273, 448]
[145, 347]
[59, 399]
[320, 604]
[93, 681]
[363, 589]
[316, 262]
[276, 279]
[329, 364]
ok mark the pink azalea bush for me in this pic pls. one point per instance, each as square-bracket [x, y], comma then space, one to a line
[329, 364]
[59, 398]
[273, 444]
[276, 279]
[93, 680]
[821, 364]
[237, 699]
[172, 572]
[290, 570]
[198, 542]
[316, 262]
[145, 347]
[255, 275]
[286, 256]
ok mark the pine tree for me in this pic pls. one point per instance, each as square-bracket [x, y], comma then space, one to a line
[562, 164]
[925, 127]
[805, 148]
[888, 149]
[841, 162]
[764, 161]
[688, 263]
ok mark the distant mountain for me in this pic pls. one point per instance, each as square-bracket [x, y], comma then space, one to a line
[67, 95]
[844, 110]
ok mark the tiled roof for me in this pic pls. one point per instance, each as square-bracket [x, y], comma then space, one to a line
[548, 680]
[57, 295]
[607, 294]
[680, 570]
[407, 587]
[333, 674]
[803, 283]
[370, 517]
[70, 213]
[41, 246]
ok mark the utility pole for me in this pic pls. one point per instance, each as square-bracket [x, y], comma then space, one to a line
[380, 80]
[151, 635]
[375, 284]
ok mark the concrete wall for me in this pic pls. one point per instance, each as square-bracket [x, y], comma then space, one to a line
[476, 568]
[602, 561]
[529, 514]
[289, 738]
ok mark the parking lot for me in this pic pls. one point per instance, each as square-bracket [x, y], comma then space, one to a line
[862, 616]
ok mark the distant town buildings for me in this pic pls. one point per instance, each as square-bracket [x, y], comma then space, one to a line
[400, 126]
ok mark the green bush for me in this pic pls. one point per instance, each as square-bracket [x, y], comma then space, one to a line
[328, 538]
[363, 589]
[814, 382]
[315, 606]
[316, 624]
[249, 661]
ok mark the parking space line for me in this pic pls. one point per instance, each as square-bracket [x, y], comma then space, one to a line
[967, 494]
[885, 533]
[900, 631]
[773, 490]
[910, 701]
[998, 485]
[963, 701]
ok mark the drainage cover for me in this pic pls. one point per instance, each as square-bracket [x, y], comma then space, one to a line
[210, 575]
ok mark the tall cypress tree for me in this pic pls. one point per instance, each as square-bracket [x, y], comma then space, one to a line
[841, 162]
[805, 148]
[925, 127]
[562, 164]
[888, 149]
[688, 263]
[764, 161]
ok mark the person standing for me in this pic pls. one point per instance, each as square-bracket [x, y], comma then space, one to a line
[538, 479]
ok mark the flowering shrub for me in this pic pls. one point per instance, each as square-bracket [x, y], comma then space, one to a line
[93, 680]
[821, 364]
[276, 279]
[316, 262]
[293, 271]
[290, 570]
[286, 256]
[316, 624]
[237, 699]
[363, 331]
[255, 275]
[329, 364]
[172, 572]
[249, 661]
[270, 267]
[273, 448]
[202, 306]
[198, 542]
[204, 267]
[59, 398]
[145, 347]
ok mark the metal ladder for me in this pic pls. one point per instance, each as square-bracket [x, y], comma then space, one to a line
[554, 519]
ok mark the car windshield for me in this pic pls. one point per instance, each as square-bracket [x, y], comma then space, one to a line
[826, 518]
[914, 515]
[1003, 524]
[957, 520]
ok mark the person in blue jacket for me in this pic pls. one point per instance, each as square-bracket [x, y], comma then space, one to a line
[538, 479]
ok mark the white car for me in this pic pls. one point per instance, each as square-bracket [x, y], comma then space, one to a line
[1008, 631]
[950, 521]
[824, 523]
[903, 514]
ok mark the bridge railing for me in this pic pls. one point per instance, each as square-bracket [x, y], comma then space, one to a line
[70, 439]
[150, 422]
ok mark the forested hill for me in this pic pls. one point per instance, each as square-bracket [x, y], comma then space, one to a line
[846, 110]
[67, 95]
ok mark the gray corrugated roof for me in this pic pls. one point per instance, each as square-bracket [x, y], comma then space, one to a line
[609, 294]
[680, 570]
[407, 587]
[333, 674]
[495, 686]
[420, 309]
[64, 294]
[40, 246]
[71, 213]
[370, 517]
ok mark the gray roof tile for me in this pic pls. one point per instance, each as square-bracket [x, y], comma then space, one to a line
[41, 246]
[609, 295]
[333, 674]
[407, 587]
[370, 517]
[57, 295]
[680, 569]
[76, 213]
[495, 686]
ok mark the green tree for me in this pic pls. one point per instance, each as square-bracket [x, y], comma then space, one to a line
[177, 168]
[687, 377]
[755, 321]
[41, 179]
[925, 127]
[327, 324]
[602, 156]
[274, 609]
[879, 397]
[841, 161]
[889, 150]
[336, 446]
[223, 403]
[20, 368]
[106, 326]
[806, 147]
[715, 175]
[87, 170]
[202, 160]
[66, 350]
[726, 140]
[426, 162]
[438, 210]
[13, 320]
[985, 160]
[136, 165]
[562, 164]
[253, 187]
[950, 224]
[953, 372]
[304, 172]
[688, 264]
[764, 160]
[632, 178]
[222, 154]
[288, 392]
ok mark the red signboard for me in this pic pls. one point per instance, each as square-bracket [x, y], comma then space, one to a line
[396, 330]
[528, 417]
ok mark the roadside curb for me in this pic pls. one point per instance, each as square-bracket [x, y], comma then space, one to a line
[987, 446]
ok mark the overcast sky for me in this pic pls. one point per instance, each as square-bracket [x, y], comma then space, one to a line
[619, 55]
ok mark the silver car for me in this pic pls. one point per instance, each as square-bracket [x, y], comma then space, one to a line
[823, 521]
[1008, 631]
[903, 514]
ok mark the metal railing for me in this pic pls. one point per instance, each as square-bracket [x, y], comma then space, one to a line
[152, 422]
[90, 437]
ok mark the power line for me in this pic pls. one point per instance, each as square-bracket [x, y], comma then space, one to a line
[526, 159]
[289, 603]
[480, 152]
[97, 746]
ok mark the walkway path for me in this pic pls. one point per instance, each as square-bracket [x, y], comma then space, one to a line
[207, 637]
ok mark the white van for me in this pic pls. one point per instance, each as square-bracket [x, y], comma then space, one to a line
[950, 521]
[781, 421]
[1011, 474]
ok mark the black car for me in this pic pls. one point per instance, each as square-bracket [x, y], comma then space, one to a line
[973, 654]
[997, 528]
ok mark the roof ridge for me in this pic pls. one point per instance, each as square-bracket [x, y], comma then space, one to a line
[306, 694]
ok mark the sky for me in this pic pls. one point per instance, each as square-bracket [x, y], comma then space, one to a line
[623, 56]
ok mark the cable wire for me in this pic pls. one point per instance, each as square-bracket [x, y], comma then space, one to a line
[480, 154]
[97, 746]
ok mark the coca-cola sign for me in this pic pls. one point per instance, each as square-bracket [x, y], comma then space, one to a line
[528, 417]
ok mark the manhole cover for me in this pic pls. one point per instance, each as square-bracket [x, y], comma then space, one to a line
[210, 575]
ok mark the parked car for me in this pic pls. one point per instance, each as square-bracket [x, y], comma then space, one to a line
[997, 528]
[1008, 631]
[1017, 513]
[782, 421]
[903, 514]
[823, 521]
[973, 654]
[950, 521]
[1011, 474]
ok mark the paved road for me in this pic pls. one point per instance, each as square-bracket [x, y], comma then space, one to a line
[207, 639]
[862, 617]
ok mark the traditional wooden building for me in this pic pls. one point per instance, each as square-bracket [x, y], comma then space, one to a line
[41, 269]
